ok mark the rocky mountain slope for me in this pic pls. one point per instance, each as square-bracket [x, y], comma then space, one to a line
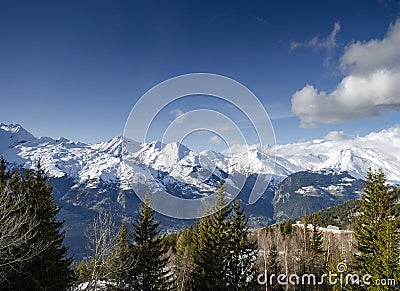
[307, 192]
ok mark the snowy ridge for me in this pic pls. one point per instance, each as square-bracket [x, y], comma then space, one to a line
[84, 162]
[377, 150]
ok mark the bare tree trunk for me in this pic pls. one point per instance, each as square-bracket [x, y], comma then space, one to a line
[262, 245]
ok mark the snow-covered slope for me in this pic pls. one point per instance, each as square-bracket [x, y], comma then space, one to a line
[59, 157]
[83, 162]
[377, 150]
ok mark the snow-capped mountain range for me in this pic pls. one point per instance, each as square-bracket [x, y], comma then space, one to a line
[83, 162]
[88, 178]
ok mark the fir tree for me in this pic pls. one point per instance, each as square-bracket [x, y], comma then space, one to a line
[242, 267]
[376, 232]
[184, 265]
[150, 272]
[82, 271]
[122, 260]
[316, 264]
[287, 228]
[316, 238]
[50, 269]
[212, 248]
[5, 174]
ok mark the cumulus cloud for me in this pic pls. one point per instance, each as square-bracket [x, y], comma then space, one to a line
[327, 43]
[365, 57]
[371, 83]
[178, 114]
[336, 136]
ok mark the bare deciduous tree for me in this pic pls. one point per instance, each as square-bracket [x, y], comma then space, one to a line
[102, 242]
[17, 229]
[101, 236]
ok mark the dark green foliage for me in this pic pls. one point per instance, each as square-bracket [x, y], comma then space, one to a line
[342, 215]
[5, 174]
[317, 264]
[82, 271]
[133, 259]
[316, 237]
[50, 270]
[242, 268]
[376, 232]
[224, 257]
[211, 251]
[149, 251]
[184, 263]
[286, 228]
[122, 260]
[170, 241]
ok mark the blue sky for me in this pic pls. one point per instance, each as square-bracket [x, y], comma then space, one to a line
[76, 68]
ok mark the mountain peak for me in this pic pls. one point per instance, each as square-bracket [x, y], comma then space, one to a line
[113, 146]
[177, 147]
[16, 128]
[13, 134]
[155, 145]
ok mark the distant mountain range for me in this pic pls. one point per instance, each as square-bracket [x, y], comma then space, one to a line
[83, 162]
[305, 176]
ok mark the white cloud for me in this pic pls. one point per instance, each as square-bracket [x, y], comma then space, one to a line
[178, 114]
[336, 136]
[215, 139]
[371, 84]
[327, 43]
[365, 57]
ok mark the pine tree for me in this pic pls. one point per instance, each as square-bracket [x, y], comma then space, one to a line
[150, 272]
[5, 174]
[50, 269]
[212, 248]
[122, 260]
[82, 271]
[287, 228]
[376, 232]
[316, 238]
[184, 265]
[317, 264]
[242, 267]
